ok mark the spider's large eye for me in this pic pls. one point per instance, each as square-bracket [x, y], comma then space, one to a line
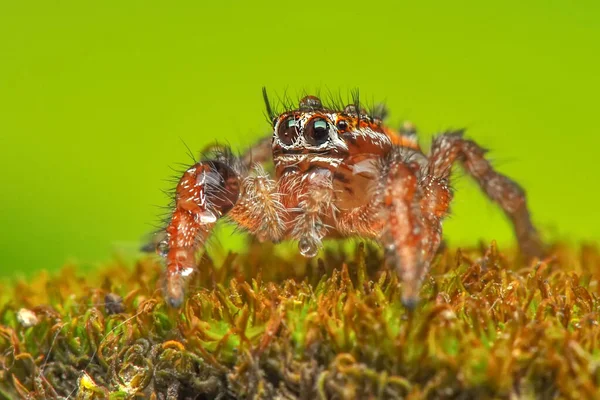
[288, 130]
[316, 131]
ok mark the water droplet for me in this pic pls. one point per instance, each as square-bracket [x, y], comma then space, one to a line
[162, 248]
[308, 247]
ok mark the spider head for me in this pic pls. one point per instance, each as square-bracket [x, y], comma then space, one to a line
[308, 128]
[308, 134]
[316, 135]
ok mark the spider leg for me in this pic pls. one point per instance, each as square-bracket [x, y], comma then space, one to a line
[404, 212]
[260, 209]
[409, 234]
[450, 147]
[260, 153]
[366, 219]
[363, 220]
[206, 191]
[434, 203]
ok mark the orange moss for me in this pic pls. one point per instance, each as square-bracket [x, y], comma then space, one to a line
[262, 325]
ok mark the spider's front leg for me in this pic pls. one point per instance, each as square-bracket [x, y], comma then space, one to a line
[208, 191]
[205, 192]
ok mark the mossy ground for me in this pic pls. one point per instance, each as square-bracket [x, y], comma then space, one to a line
[260, 325]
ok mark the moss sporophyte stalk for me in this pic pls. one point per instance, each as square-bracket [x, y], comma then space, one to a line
[264, 325]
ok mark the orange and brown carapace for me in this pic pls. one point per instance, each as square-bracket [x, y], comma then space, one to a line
[339, 171]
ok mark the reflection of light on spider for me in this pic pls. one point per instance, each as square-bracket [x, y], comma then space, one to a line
[338, 171]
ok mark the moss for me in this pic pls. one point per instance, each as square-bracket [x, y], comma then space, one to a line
[262, 325]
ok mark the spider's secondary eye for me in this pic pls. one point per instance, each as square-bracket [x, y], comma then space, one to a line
[288, 131]
[342, 125]
[317, 131]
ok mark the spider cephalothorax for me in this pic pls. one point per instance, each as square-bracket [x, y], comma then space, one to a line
[339, 171]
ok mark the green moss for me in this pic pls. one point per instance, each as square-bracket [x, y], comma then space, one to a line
[488, 326]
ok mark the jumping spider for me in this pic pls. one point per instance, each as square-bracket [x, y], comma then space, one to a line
[338, 172]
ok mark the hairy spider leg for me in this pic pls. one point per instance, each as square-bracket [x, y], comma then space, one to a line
[417, 199]
[260, 153]
[451, 147]
[405, 235]
[205, 192]
[260, 209]
[210, 190]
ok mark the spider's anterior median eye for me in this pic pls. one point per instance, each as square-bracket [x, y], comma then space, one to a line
[317, 131]
[288, 130]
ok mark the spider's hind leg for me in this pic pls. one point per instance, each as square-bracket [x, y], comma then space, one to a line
[451, 147]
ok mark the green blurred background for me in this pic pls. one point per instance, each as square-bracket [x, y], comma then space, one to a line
[96, 98]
